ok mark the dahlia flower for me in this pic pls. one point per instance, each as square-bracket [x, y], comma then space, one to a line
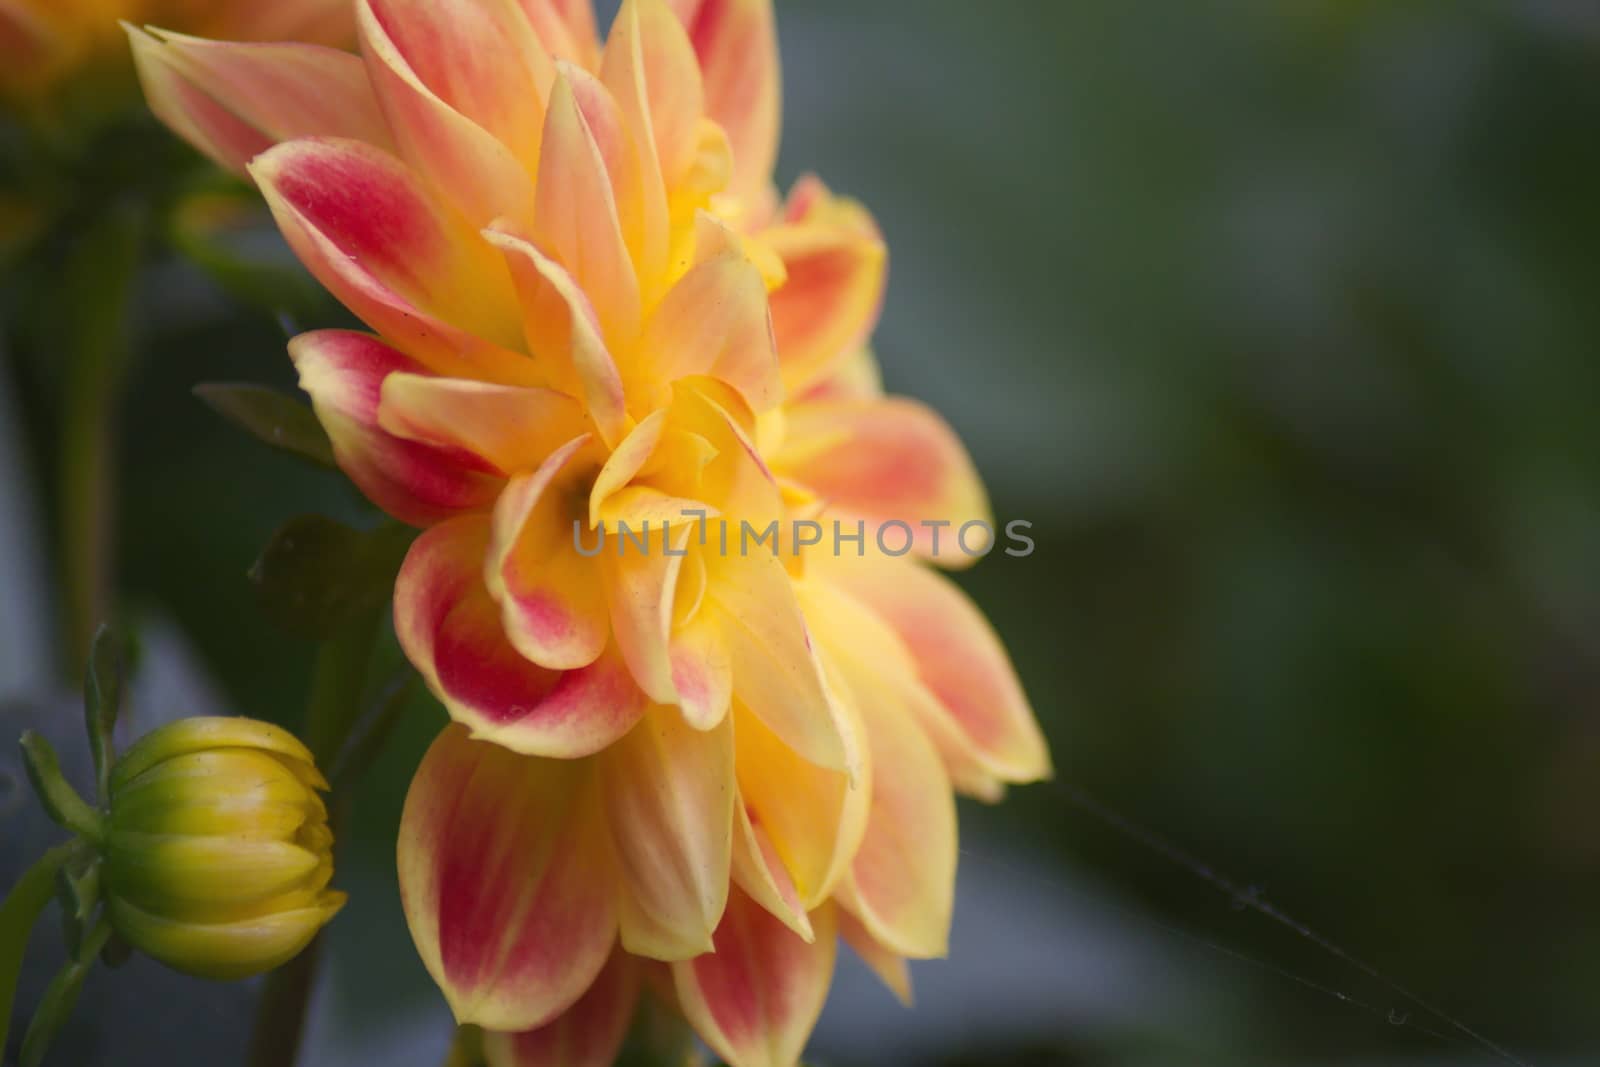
[42, 41]
[677, 762]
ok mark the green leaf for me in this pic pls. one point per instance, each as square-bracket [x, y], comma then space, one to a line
[18, 913]
[61, 802]
[272, 417]
[60, 997]
[102, 698]
[316, 576]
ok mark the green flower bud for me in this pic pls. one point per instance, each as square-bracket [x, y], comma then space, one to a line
[217, 848]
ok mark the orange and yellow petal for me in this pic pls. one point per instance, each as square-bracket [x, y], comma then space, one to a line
[836, 266]
[773, 666]
[562, 330]
[901, 884]
[702, 672]
[960, 660]
[715, 321]
[344, 373]
[736, 42]
[895, 461]
[421, 59]
[669, 796]
[575, 216]
[814, 818]
[651, 69]
[756, 999]
[450, 629]
[760, 872]
[504, 877]
[588, 1034]
[512, 428]
[567, 29]
[233, 101]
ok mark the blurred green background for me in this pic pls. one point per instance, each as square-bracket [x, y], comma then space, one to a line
[1281, 324]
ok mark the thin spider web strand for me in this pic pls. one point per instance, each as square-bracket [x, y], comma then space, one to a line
[1250, 898]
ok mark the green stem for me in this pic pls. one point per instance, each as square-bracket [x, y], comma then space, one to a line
[466, 1049]
[337, 686]
[100, 280]
[281, 1015]
[61, 996]
[17, 915]
[339, 678]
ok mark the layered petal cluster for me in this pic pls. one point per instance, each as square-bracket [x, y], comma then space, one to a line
[608, 372]
[44, 41]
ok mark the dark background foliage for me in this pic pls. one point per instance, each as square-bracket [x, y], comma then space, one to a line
[1279, 323]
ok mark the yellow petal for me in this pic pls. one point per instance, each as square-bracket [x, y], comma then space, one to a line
[814, 817]
[669, 793]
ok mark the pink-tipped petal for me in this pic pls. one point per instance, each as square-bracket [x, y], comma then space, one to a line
[958, 657]
[450, 629]
[853, 631]
[892, 970]
[562, 330]
[373, 234]
[715, 322]
[702, 672]
[552, 600]
[484, 177]
[567, 29]
[892, 461]
[737, 45]
[759, 871]
[506, 881]
[669, 795]
[233, 101]
[588, 1034]
[837, 267]
[513, 428]
[344, 373]
[575, 216]
[757, 997]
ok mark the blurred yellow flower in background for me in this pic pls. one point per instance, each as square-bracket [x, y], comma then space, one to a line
[43, 42]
